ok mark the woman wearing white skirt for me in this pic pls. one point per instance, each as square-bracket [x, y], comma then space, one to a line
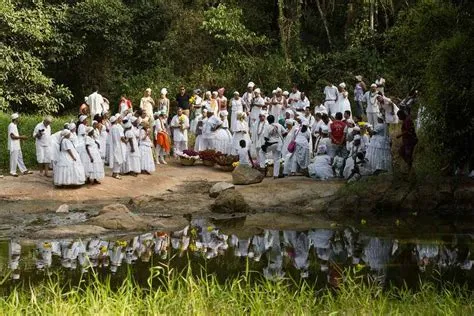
[69, 169]
[379, 155]
[237, 107]
[147, 163]
[223, 138]
[241, 131]
[94, 165]
[132, 160]
[320, 167]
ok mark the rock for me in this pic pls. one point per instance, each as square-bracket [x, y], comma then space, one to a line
[219, 187]
[170, 224]
[114, 208]
[246, 175]
[70, 231]
[118, 217]
[230, 201]
[63, 209]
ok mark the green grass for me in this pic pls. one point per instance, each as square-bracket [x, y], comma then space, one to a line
[25, 127]
[188, 295]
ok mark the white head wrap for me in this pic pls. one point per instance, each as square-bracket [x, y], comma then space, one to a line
[286, 93]
[342, 85]
[72, 126]
[113, 119]
[89, 129]
[236, 93]
[48, 118]
[82, 118]
[164, 91]
[15, 116]
[250, 84]
[278, 89]
[358, 78]
[258, 91]
[274, 92]
[290, 122]
[65, 132]
[373, 85]
[322, 149]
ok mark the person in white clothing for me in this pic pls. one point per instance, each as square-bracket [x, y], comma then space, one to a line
[69, 169]
[147, 103]
[95, 102]
[179, 127]
[237, 106]
[132, 160]
[278, 104]
[147, 164]
[388, 108]
[14, 146]
[247, 98]
[273, 139]
[320, 167]
[42, 135]
[162, 138]
[294, 97]
[257, 136]
[372, 110]
[223, 137]
[342, 103]
[380, 82]
[94, 166]
[257, 104]
[117, 144]
[244, 153]
[330, 98]
[241, 132]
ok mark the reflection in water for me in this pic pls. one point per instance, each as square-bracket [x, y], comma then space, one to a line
[310, 252]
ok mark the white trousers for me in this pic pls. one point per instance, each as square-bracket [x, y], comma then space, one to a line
[116, 167]
[180, 146]
[276, 155]
[160, 152]
[16, 160]
[372, 118]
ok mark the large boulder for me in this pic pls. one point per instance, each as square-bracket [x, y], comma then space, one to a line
[118, 217]
[219, 187]
[230, 201]
[246, 175]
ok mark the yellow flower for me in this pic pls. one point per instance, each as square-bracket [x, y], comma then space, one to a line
[47, 245]
[360, 266]
[210, 228]
[103, 249]
[363, 221]
[121, 243]
[235, 164]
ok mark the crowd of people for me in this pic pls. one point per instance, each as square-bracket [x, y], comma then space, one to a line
[332, 138]
[309, 252]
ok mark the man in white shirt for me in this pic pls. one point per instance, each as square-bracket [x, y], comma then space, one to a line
[248, 97]
[370, 98]
[42, 135]
[147, 104]
[330, 98]
[295, 96]
[179, 127]
[95, 102]
[14, 146]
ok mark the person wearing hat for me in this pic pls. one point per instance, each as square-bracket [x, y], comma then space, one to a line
[277, 104]
[196, 105]
[116, 146]
[257, 136]
[359, 91]
[147, 103]
[378, 152]
[164, 102]
[247, 98]
[132, 156]
[42, 136]
[372, 107]
[241, 132]
[69, 169]
[14, 147]
[256, 107]
[93, 163]
[237, 106]
[146, 152]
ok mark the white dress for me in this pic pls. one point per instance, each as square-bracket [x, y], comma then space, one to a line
[241, 131]
[277, 109]
[68, 171]
[147, 163]
[93, 170]
[236, 106]
[342, 103]
[80, 141]
[223, 138]
[199, 144]
[103, 135]
[132, 161]
[379, 155]
[320, 167]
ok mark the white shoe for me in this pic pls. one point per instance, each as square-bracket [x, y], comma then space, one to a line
[163, 161]
[158, 162]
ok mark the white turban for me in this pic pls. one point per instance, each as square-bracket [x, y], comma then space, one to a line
[373, 85]
[286, 93]
[251, 84]
[258, 90]
[236, 93]
[82, 118]
[72, 126]
[342, 85]
[15, 116]
[322, 149]
[274, 92]
[113, 119]
[89, 129]
[279, 89]
[65, 132]
[164, 91]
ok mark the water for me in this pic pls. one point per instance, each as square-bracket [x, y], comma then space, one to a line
[319, 255]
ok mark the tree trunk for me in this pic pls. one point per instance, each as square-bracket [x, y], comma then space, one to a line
[325, 23]
[372, 13]
[281, 26]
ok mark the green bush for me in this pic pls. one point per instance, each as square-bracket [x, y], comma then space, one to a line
[25, 127]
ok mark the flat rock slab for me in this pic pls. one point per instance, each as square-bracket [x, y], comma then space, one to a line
[230, 201]
[70, 231]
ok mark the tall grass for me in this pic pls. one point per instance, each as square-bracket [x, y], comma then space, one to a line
[25, 127]
[204, 295]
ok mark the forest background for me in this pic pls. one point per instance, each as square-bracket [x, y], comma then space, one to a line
[53, 52]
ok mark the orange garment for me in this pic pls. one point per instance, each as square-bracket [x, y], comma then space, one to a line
[164, 141]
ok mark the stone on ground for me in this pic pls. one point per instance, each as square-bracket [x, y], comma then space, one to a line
[246, 175]
[118, 217]
[70, 231]
[63, 209]
[219, 187]
[230, 201]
